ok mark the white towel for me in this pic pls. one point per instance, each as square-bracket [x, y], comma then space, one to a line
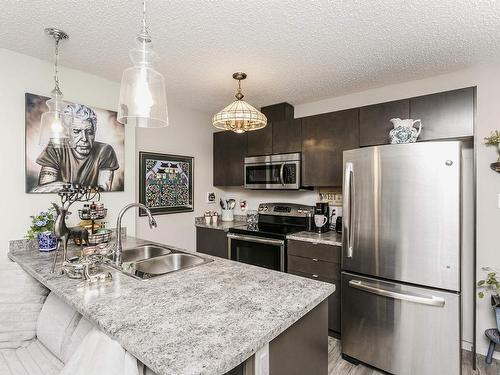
[21, 299]
[98, 355]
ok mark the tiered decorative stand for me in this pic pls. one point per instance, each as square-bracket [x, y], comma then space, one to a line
[99, 235]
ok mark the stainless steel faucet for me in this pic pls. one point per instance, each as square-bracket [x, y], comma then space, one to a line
[117, 255]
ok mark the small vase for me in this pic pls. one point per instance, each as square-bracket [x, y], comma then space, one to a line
[47, 241]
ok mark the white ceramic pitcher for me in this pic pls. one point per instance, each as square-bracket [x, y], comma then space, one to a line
[404, 130]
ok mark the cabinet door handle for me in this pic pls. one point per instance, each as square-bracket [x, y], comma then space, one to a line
[314, 259]
[315, 276]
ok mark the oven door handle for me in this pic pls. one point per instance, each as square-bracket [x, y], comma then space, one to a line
[268, 241]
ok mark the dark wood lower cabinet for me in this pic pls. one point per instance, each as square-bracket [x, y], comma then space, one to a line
[212, 242]
[302, 349]
[319, 262]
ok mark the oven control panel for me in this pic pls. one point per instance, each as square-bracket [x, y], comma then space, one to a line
[285, 209]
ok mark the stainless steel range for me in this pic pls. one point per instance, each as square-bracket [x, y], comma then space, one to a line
[264, 244]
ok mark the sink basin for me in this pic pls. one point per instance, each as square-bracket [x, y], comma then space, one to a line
[166, 264]
[147, 261]
[143, 252]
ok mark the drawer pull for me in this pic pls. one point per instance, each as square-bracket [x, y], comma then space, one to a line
[315, 276]
[315, 259]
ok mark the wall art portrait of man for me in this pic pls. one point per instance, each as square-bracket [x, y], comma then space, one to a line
[96, 157]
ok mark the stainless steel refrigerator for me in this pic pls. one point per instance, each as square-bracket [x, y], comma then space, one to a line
[401, 257]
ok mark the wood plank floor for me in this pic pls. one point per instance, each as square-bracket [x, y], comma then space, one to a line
[337, 366]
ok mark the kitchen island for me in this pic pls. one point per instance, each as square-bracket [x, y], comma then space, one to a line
[204, 320]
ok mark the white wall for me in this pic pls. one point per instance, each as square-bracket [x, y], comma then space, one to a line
[20, 74]
[189, 133]
[487, 80]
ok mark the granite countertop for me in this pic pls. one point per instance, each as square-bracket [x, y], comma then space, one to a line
[239, 221]
[203, 320]
[327, 238]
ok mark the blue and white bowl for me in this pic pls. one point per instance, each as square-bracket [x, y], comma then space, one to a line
[47, 241]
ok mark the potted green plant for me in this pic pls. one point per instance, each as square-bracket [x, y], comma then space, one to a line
[494, 140]
[42, 228]
[491, 285]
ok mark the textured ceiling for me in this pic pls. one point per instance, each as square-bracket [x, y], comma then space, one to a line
[294, 51]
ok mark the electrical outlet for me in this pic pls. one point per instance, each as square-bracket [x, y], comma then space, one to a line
[210, 198]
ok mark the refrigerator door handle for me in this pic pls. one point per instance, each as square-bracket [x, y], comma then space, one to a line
[348, 208]
[411, 297]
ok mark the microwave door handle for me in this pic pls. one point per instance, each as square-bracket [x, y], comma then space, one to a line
[282, 170]
[411, 297]
[348, 208]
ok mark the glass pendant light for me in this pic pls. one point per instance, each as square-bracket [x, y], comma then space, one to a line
[54, 124]
[143, 100]
[239, 116]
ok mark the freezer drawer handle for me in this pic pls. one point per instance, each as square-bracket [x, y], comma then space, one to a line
[411, 297]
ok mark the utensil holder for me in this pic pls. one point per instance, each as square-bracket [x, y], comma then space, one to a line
[227, 215]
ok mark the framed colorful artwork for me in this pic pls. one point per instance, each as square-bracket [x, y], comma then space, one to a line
[165, 183]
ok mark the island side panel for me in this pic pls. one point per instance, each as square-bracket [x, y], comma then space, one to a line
[302, 348]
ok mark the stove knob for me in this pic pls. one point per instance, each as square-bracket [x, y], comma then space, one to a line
[265, 208]
[299, 211]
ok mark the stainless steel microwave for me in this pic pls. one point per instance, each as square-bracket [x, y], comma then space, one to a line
[280, 171]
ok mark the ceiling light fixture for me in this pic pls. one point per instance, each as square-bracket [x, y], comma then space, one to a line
[54, 124]
[143, 99]
[239, 116]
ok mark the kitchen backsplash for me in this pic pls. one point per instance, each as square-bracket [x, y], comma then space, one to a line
[254, 197]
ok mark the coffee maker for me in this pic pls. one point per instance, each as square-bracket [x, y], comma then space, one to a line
[323, 209]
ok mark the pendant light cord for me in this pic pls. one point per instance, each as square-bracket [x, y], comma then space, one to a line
[144, 28]
[57, 90]
[239, 95]
[144, 36]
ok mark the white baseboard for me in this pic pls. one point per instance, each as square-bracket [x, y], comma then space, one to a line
[466, 345]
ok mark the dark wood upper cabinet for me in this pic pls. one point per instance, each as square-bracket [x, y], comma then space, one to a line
[324, 138]
[278, 112]
[375, 124]
[229, 152]
[444, 115]
[260, 142]
[287, 136]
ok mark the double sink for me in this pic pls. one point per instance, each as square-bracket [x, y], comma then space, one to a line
[147, 261]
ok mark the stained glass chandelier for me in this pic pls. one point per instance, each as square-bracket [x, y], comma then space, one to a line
[239, 116]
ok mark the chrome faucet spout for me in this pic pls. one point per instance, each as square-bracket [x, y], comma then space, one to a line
[118, 253]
